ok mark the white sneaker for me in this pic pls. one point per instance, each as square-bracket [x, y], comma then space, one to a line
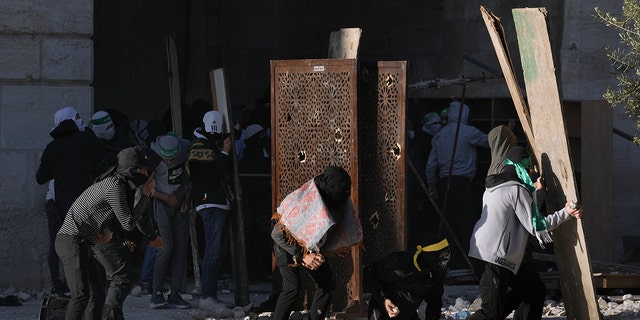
[211, 304]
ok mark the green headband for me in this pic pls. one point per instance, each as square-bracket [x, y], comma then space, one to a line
[100, 121]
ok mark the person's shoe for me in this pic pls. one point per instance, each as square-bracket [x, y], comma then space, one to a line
[61, 291]
[211, 304]
[157, 301]
[145, 288]
[176, 301]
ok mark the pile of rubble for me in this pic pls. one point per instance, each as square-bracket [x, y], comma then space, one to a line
[458, 305]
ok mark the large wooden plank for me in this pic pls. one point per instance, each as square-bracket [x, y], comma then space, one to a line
[238, 244]
[174, 85]
[496, 33]
[616, 281]
[175, 99]
[552, 150]
[343, 44]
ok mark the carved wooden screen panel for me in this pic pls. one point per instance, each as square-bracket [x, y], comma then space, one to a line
[381, 134]
[314, 125]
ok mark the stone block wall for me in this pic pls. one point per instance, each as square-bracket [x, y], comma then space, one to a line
[46, 62]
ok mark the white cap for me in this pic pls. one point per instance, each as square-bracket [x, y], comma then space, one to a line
[212, 122]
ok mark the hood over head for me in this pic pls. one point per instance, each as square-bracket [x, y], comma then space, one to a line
[454, 112]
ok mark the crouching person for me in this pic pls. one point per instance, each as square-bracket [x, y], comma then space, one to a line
[113, 196]
[402, 280]
[315, 220]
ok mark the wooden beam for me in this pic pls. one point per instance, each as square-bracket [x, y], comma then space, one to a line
[237, 232]
[548, 124]
[174, 86]
[496, 33]
[343, 44]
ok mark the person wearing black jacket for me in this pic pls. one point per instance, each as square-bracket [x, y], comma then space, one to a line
[312, 222]
[402, 280]
[69, 160]
[210, 166]
[120, 195]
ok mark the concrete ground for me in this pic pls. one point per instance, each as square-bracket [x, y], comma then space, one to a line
[137, 307]
[455, 299]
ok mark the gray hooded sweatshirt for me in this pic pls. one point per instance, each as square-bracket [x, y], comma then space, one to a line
[469, 137]
[500, 236]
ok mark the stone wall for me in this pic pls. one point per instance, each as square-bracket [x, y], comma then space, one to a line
[46, 62]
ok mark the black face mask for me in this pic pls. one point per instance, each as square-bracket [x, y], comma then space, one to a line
[136, 177]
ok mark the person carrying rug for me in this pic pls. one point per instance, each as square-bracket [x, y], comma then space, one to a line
[312, 221]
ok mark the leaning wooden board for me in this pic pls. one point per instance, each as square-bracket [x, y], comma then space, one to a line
[174, 86]
[547, 135]
[239, 257]
[496, 33]
[552, 146]
[176, 124]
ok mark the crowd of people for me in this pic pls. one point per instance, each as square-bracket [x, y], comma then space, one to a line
[119, 202]
[120, 194]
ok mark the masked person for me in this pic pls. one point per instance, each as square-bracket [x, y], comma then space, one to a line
[451, 168]
[402, 280]
[70, 160]
[508, 278]
[315, 220]
[210, 166]
[501, 140]
[121, 194]
[170, 209]
[110, 141]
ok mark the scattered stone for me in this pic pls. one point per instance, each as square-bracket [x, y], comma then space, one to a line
[136, 291]
[602, 303]
[476, 305]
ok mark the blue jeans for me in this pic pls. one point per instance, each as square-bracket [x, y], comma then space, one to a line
[174, 229]
[216, 239]
[146, 272]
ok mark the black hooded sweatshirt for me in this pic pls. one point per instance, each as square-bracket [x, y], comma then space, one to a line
[69, 159]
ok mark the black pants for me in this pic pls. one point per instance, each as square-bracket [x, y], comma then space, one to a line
[291, 284]
[55, 217]
[83, 277]
[502, 291]
[117, 262]
[461, 214]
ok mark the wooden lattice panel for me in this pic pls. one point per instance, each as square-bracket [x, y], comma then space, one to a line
[314, 125]
[381, 133]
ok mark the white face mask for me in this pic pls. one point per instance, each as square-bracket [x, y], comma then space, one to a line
[106, 134]
[79, 123]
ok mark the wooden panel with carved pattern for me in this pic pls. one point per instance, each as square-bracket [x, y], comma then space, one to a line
[314, 125]
[381, 134]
